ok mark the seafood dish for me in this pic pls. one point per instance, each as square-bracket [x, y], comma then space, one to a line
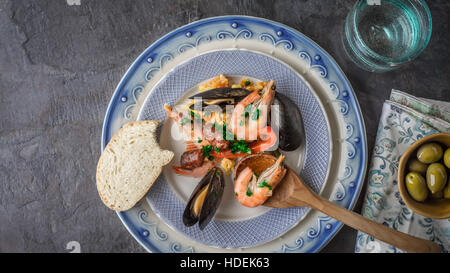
[239, 129]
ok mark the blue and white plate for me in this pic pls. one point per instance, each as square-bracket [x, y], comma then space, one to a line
[332, 161]
[169, 195]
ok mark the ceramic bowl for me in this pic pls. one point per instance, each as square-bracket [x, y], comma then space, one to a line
[437, 209]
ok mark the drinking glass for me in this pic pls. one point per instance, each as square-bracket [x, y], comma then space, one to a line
[381, 35]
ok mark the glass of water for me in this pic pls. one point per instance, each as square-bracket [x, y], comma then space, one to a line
[381, 35]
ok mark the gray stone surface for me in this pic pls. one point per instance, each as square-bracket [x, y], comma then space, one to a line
[59, 65]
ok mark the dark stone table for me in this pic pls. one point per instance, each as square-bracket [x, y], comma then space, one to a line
[59, 65]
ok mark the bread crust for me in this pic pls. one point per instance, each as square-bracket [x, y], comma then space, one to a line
[113, 140]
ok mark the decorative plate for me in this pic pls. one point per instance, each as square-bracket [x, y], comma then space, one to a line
[169, 195]
[335, 154]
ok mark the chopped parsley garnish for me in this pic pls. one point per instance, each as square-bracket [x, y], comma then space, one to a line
[195, 115]
[264, 184]
[206, 150]
[255, 115]
[184, 121]
[247, 109]
[199, 140]
[247, 83]
[235, 193]
[218, 127]
[241, 147]
[217, 149]
[227, 135]
[249, 192]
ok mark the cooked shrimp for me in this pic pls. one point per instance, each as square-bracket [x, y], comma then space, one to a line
[191, 131]
[255, 107]
[252, 190]
[268, 140]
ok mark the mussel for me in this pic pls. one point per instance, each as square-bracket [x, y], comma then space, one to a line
[287, 121]
[221, 96]
[205, 199]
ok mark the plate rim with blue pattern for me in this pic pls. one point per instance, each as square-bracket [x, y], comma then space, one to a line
[139, 221]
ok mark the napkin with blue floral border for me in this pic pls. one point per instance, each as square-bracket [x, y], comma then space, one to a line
[404, 119]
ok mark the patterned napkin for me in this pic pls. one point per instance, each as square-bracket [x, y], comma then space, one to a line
[404, 119]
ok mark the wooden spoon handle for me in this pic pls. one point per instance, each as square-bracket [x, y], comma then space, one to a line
[398, 239]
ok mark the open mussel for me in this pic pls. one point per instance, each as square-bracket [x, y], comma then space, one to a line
[205, 199]
[287, 120]
[221, 93]
[221, 96]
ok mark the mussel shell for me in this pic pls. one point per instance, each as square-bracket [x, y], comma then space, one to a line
[221, 93]
[208, 97]
[288, 123]
[257, 162]
[212, 200]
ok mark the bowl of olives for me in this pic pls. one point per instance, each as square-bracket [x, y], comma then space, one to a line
[424, 174]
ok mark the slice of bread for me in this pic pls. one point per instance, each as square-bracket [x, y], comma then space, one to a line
[130, 164]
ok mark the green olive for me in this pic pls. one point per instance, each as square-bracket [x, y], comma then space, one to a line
[416, 186]
[429, 153]
[447, 190]
[415, 165]
[436, 177]
[447, 158]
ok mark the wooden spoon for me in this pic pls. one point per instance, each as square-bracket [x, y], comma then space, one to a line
[292, 192]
